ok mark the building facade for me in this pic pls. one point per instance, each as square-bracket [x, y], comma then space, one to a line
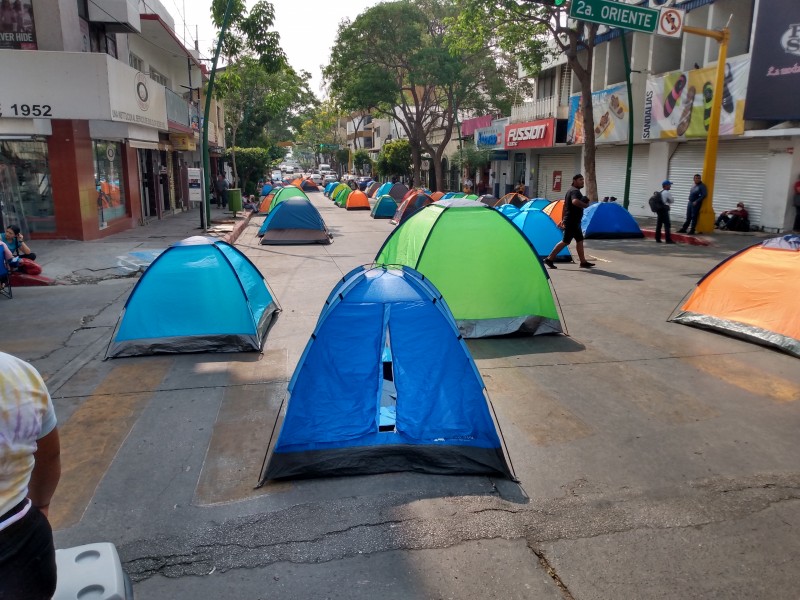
[671, 84]
[102, 123]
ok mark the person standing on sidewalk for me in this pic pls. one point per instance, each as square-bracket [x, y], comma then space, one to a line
[30, 467]
[697, 194]
[662, 216]
[574, 203]
[221, 187]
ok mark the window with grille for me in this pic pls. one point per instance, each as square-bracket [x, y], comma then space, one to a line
[158, 77]
[136, 62]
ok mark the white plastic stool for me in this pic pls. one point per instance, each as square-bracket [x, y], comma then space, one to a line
[91, 572]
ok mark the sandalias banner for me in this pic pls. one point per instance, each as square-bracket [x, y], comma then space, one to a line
[774, 86]
[610, 109]
[678, 104]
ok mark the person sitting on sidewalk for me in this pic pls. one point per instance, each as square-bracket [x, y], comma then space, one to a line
[734, 220]
[15, 241]
[250, 204]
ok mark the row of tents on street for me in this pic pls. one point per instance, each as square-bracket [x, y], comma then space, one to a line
[455, 269]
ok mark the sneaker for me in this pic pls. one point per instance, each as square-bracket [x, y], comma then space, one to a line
[670, 242]
[681, 230]
[550, 263]
[586, 265]
[658, 241]
[691, 232]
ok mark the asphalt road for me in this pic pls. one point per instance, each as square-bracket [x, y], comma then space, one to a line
[655, 460]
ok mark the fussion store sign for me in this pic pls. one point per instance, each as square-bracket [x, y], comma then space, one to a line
[534, 134]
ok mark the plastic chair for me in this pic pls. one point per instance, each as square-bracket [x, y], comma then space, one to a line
[5, 279]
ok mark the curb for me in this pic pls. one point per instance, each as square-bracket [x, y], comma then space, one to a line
[680, 238]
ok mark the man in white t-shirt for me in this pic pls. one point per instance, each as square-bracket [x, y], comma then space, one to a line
[30, 467]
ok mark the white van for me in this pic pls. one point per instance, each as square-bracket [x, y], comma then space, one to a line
[324, 169]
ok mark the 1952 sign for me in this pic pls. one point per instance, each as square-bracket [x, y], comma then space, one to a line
[28, 110]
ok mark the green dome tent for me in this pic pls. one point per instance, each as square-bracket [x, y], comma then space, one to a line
[285, 193]
[487, 271]
[338, 188]
[341, 196]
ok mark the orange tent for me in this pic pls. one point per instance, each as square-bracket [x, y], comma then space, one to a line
[435, 196]
[357, 200]
[752, 295]
[411, 193]
[513, 198]
[556, 210]
[298, 182]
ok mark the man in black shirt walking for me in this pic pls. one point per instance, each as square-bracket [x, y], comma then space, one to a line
[574, 203]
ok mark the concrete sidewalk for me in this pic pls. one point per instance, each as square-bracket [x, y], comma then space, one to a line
[128, 253]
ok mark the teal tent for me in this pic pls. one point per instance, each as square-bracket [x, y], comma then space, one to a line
[384, 208]
[199, 295]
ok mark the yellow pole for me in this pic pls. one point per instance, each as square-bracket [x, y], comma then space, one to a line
[705, 221]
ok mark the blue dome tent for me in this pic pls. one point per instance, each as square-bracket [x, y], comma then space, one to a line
[508, 210]
[294, 221]
[384, 208]
[361, 414]
[541, 231]
[536, 204]
[609, 220]
[199, 295]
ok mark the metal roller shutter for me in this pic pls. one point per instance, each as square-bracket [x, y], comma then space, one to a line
[548, 164]
[741, 175]
[610, 165]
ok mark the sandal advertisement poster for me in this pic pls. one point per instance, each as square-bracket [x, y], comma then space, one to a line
[678, 104]
[610, 110]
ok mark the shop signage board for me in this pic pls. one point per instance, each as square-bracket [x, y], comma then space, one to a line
[489, 137]
[195, 184]
[615, 14]
[533, 134]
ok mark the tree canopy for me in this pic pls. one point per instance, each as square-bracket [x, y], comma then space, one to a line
[534, 31]
[394, 159]
[395, 59]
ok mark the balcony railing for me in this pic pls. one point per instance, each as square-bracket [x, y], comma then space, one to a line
[178, 109]
[542, 108]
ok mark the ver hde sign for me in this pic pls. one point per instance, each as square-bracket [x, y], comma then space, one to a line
[534, 134]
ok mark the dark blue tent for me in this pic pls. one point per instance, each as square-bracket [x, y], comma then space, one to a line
[541, 231]
[609, 220]
[199, 295]
[349, 414]
[294, 221]
[384, 207]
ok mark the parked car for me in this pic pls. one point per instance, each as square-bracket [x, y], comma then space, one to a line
[363, 182]
[316, 178]
[276, 176]
[329, 178]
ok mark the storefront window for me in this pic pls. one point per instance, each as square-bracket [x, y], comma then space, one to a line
[108, 179]
[26, 197]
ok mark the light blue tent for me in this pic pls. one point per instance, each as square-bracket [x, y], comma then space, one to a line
[294, 221]
[266, 189]
[448, 196]
[199, 295]
[384, 207]
[329, 188]
[536, 204]
[609, 220]
[384, 189]
[349, 413]
[541, 231]
[508, 210]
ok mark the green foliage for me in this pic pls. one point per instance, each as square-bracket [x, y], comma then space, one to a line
[320, 129]
[471, 157]
[248, 33]
[252, 164]
[361, 159]
[342, 157]
[394, 159]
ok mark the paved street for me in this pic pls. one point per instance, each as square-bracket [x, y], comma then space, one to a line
[655, 460]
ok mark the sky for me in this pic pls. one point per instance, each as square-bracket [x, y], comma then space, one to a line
[307, 27]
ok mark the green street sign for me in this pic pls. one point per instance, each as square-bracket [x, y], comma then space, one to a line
[615, 14]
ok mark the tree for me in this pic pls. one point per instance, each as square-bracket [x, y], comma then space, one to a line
[413, 74]
[319, 132]
[246, 41]
[394, 159]
[253, 162]
[361, 159]
[523, 27]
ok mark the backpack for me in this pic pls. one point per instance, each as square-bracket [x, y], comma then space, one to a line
[656, 202]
